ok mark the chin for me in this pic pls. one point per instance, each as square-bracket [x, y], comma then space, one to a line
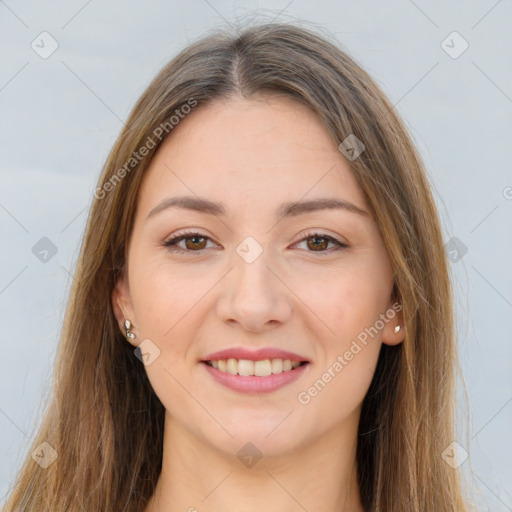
[258, 437]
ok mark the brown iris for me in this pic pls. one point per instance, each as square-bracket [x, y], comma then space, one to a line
[319, 243]
[195, 242]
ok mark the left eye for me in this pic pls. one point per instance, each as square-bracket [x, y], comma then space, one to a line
[195, 242]
[318, 242]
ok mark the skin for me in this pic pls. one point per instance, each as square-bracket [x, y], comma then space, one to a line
[253, 155]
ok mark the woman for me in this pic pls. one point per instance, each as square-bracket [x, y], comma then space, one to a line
[261, 315]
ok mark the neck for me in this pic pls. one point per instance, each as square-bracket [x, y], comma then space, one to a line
[196, 477]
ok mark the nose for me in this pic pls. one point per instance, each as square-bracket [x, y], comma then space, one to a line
[253, 296]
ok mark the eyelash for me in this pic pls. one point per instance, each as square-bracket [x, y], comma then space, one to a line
[190, 234]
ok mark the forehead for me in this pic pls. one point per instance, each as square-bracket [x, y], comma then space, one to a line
[250, 151]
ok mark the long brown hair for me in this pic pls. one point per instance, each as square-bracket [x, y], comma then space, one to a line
[104, 420]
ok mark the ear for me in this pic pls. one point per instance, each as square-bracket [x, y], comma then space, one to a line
[122, 305]
[395, 318]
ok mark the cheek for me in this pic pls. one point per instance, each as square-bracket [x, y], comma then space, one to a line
[347, 300]
[338, 383]
[163, 297]
[336, 392]
[357, 299]
[166, 305]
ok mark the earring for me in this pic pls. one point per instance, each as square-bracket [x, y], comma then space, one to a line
[129, 334]
[397, 328]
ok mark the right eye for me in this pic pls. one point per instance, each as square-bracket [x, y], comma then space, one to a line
[193, 242]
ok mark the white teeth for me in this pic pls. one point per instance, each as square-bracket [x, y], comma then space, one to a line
[232, 366]
[245, 367]
[277, 365]
[261, 368]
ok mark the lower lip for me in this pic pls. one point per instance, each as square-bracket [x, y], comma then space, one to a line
[253, 384]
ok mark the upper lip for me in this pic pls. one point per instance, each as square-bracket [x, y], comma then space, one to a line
[253, 355]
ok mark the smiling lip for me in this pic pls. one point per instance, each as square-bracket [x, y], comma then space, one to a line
[251, 383]
[254, 355]
[256, 385]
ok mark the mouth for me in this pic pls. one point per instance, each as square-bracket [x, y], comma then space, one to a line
[255, 377]
[255, 371]
[258, 368]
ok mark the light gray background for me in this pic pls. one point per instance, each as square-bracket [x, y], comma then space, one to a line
[61, 115]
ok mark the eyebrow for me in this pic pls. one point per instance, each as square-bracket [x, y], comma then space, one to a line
[290, 209]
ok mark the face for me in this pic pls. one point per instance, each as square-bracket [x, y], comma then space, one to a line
[313, 280]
